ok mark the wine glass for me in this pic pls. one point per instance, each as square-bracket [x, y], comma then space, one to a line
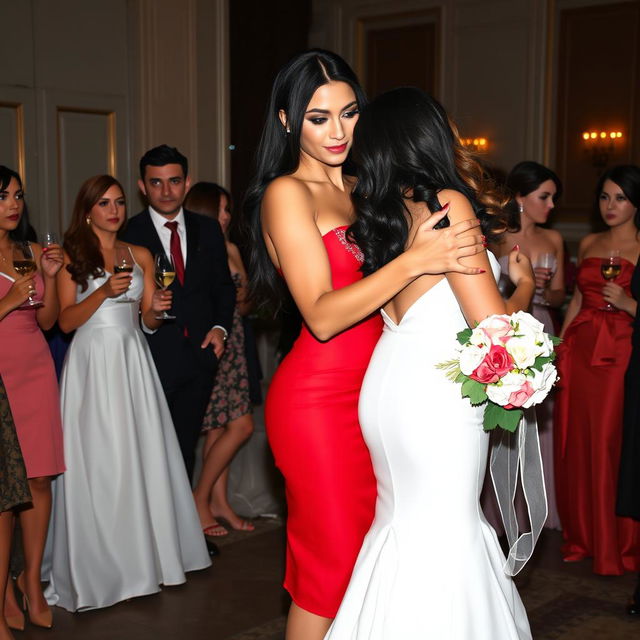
[48, 238]
[610, 268]
[165, 274]
[24, 263]
[123, 264]
[548, 262]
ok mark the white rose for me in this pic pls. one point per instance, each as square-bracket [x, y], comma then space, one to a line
[523, 350]
[479, 338]
[545, 345]
[471, 356]
[527, 324]
[542, 382]
[500, 392]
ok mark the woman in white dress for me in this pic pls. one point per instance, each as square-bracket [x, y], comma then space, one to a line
[431, 565]
[124, 521]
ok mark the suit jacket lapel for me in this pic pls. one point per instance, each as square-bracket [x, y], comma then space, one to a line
[149, 230]
[193, 233]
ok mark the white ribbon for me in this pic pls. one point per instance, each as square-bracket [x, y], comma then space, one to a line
[518, 455]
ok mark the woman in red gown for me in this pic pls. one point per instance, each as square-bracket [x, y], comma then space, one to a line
[299, 208]
[589, 403]
[30, 380]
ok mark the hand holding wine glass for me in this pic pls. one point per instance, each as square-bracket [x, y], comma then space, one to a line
[24, 264]
[165, 273]
[544, 268]
[52, 256]
[123, 265]
[610, 268]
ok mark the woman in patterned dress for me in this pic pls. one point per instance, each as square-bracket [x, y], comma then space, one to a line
[228, 423]
[14, 491]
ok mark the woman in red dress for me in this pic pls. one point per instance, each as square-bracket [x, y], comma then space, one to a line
[29, 377]
[588, 414]
[298, 208]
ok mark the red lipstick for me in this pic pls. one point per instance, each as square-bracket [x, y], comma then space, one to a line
[339, 149]
[14, 217]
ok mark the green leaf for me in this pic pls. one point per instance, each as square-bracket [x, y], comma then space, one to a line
[556, 341]
[540, 361]
[461, 378]
[474, 390]
[463, 336]
[497, 416]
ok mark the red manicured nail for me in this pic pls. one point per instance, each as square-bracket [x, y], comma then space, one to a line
[445, 206]
[516, 247]
[482, 271]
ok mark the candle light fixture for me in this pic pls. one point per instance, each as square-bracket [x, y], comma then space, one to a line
[475, 144]
[599, 145]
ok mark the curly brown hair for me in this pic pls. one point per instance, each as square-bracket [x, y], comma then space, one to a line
[80, 242]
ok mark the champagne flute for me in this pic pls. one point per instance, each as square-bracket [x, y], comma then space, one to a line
[610, 268]
[24, 263]
[123, 264]
[165, 274]
[548, 262]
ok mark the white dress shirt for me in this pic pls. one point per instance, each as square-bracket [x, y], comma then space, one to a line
[165, 234]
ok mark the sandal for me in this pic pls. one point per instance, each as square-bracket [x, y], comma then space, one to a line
[215, 530]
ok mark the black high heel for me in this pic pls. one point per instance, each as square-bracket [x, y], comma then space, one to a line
[633, 608]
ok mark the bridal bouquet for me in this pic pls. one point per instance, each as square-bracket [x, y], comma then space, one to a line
[507, 363]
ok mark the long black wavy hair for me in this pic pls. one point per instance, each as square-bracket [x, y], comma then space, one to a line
[522, 180]
[24, 230]
[405, 147]
[627, 177]
[279, 152]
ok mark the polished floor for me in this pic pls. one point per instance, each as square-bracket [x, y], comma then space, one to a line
[240, 598]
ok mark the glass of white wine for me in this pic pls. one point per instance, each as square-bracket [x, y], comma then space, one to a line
[165, 274]
[123, 264]
[610, 268]
[24, 263]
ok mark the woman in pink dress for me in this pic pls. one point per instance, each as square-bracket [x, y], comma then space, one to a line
[29, 376]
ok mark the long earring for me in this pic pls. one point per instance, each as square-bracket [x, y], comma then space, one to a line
[287, 131]
[520, 207]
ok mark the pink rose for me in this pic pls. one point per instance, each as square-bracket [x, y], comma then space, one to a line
[495, 364]
[519, 397]
[497, 329]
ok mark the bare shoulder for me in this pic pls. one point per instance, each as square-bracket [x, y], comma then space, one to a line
[553, 236]
[285, 188]
[588, 241]
[459, 206]
[232, 250]
[287, 201]
[141, 255]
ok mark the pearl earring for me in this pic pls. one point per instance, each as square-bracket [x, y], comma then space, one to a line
[88, 220]
[520, 207]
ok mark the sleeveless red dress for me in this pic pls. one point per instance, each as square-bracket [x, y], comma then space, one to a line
[588, 429]
[311, 416]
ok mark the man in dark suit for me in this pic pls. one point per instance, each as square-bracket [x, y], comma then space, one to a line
[185, 350]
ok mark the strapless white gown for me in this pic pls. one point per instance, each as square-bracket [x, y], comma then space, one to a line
[430, 566]
[124, 519]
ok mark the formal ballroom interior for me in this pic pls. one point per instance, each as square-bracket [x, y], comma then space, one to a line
[88, 85]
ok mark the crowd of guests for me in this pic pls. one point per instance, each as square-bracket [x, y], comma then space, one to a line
[151, 366]
[158, 356]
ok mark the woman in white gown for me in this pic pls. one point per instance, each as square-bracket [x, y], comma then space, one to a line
[124, 521]
[430, 566]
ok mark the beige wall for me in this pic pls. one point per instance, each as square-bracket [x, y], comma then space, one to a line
[492, 63]
[93, 83]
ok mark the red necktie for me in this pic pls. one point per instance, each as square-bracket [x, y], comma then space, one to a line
[176, 250]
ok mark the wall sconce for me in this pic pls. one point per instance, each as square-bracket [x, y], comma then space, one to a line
[599, 145]
[477, 145]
